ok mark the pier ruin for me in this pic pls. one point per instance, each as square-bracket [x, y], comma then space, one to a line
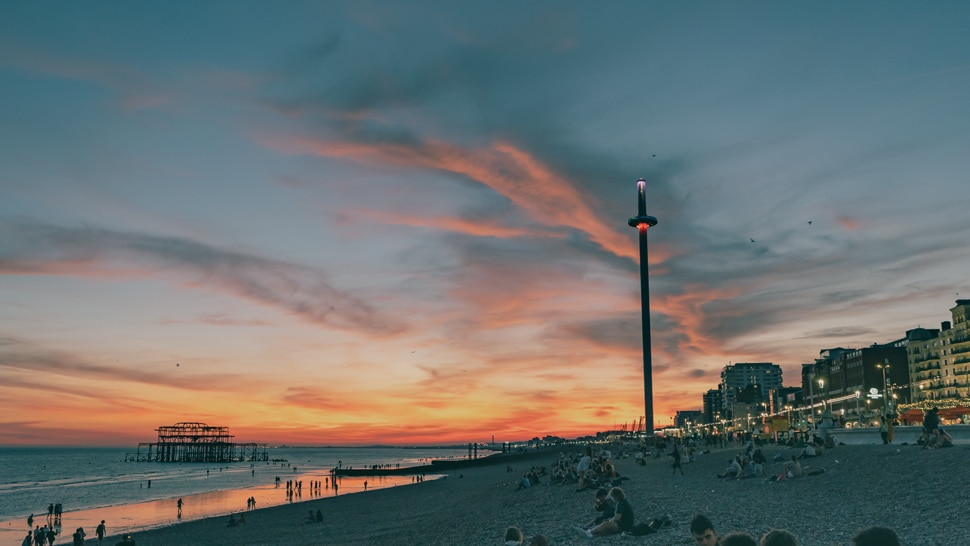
[196, 443]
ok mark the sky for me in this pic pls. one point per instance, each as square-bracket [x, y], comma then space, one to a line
[350, 223]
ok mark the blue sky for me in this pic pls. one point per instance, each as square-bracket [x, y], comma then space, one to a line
[345, 222]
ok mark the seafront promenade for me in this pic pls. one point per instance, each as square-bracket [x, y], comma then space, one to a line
[901, 435]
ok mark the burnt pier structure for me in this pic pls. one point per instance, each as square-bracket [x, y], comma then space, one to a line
[197, 443]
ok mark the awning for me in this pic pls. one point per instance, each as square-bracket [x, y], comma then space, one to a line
[954, 413]
[912, 415]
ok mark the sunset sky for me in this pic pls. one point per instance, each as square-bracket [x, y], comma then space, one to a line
[405, 222]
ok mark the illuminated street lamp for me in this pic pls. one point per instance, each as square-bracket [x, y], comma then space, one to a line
[886, 400]
[858, 395]
[821, 388]
[811, 398]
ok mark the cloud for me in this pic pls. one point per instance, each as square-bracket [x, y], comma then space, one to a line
[27, 248]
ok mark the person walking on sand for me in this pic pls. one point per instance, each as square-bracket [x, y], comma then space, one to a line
[100, 531]
[180, 506]
[676, 465]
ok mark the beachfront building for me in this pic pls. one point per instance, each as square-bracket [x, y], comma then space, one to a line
[712, 406]
[939, 360]
[752, 384]
[850, 382]
[688, 420]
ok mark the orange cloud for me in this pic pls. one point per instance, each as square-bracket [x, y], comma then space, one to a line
[514, 173]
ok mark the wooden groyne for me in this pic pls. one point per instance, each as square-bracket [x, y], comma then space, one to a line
[439, 466]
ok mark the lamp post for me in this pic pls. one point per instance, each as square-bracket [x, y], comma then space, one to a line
[885, 391]
[821, 388]
[811, 398]
[641, 221]
[858, 394]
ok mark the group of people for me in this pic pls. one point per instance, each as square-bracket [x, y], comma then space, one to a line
[703, 533]
[616, 516]
[747, 464]
[531, 477]
[934, 436]
[591, 471]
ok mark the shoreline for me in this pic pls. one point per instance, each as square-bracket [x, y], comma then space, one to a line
[147, 515]
[141, 516]
[916, 492]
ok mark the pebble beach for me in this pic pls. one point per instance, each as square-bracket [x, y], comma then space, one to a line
[919, 493]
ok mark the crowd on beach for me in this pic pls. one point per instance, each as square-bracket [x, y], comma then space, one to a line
[594, 470]
[47, 534]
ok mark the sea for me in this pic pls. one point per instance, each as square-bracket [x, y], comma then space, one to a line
[94, 484]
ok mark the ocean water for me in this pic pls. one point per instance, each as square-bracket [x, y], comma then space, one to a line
[91, 482]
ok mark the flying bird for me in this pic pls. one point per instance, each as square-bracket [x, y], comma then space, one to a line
[809, 222]
[752, 240]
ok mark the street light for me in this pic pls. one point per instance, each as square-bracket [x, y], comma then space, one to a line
[886, 401]
[811, 404]
[821, 388]
[857, 396]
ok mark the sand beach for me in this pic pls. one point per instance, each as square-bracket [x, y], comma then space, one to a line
[919, 493]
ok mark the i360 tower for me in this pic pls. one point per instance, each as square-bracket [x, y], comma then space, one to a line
[641, 221]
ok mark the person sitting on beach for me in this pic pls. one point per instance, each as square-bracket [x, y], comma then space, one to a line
[232, 521]
[539, 540]
[778, 537]
[876, 536]
[945, 439]
[749, 469]
[513, 536]
[310, 517]
[128, 541]
[319, 516]
[605, 504]
[758, 457]
[808, 452]
[702, 530]
[733, 469]
[793, 468]
[622, 519]
[738, 538]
